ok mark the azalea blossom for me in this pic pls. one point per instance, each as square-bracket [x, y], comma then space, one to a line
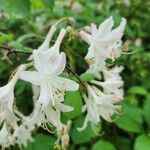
[113, 73]
[49, 114]
[97, 105]
[49, 86]
[7, 99]
[6, 140]
[113, 83]
[103, 103]
[22, 135]
[49, 64]
[104, 43]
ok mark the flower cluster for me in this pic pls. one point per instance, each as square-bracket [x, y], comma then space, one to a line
[49, 87]
[105, 91]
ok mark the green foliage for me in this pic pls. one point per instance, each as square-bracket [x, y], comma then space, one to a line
[41, 142]
[21, 23]
[73, 99]
[146, 110]
[49, 4]
[16, 8]
[103, 145]
[142, 142]
[137, 90]
[130, 119]
[84, 136]
[5, 37]
[86, 77]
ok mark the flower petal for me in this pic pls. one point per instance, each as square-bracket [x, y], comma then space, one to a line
[106, 26]
[90, 53]
[53, 117]
[45, 93]
[31, 76]
[45, 44]
[64, 84]
[85, 36]
[60, 38]
[64, 108]
[59, 65]
[116, 34]
[42, 62]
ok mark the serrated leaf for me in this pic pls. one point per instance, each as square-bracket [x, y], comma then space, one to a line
[16, 8]
[80, 137]
[73, 99]
[131, 119]
[42, 142]
[142, 142]
[103, 145]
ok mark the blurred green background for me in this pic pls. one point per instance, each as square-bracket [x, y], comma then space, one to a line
[23, 26]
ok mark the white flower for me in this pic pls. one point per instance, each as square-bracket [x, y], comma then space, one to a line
[98, 105]
[48, 114]
[6, 140]
[113, 73]
[49, 64]
[22, 135]
[110, 85]
[113, 83]
[104, 43]
[7, 99]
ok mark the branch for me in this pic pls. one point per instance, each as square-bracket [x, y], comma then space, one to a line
[76, 76]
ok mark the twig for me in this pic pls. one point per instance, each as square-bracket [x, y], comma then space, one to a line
[9, 51]
[76, 76]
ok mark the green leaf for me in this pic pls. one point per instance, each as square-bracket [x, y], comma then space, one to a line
[42, 142]
[103, 145]
[131, 119]
[129, 31]
[142, 142]
[137, 90]
[146, 111]
[86, 77]
[24, 37]
[18, 47]
[49, 4]
[5, 37]
[16, 8]
[73, 99]
[80, 137]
